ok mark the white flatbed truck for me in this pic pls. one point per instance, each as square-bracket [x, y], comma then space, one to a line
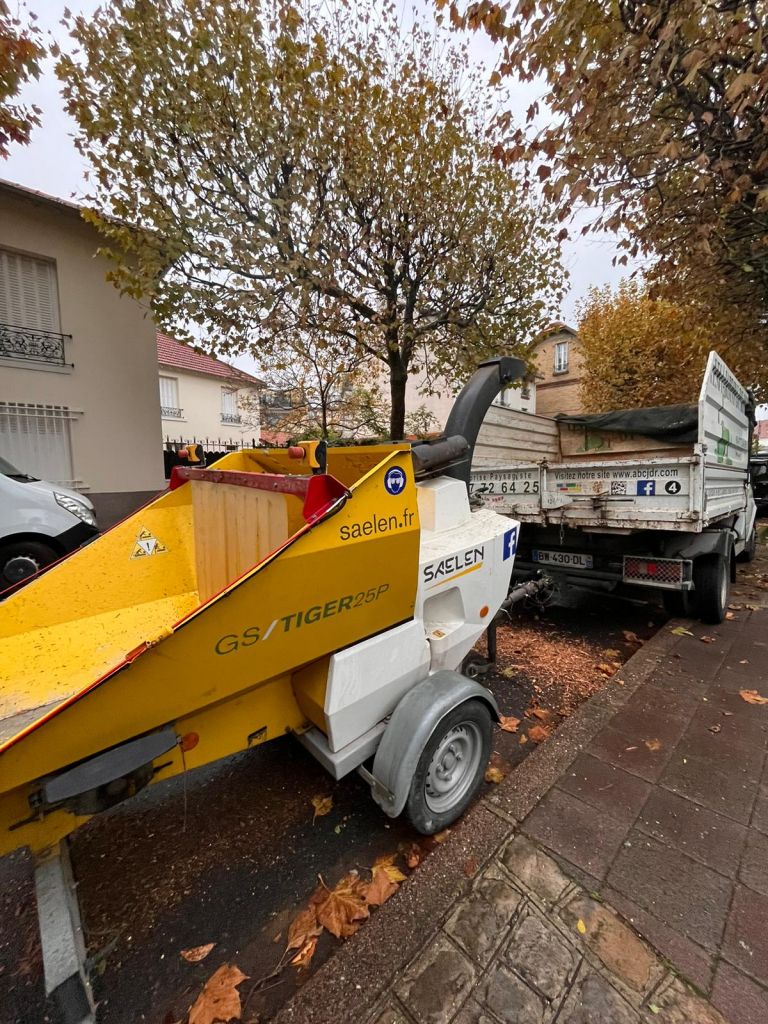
[622, 502]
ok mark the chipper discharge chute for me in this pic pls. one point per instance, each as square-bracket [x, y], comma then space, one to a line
[333, 595]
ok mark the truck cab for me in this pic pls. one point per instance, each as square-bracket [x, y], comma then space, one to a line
[40, 522]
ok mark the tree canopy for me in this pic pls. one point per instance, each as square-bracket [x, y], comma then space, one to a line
[639, 350]
[265, 170]
[659, 120]
[20, 54]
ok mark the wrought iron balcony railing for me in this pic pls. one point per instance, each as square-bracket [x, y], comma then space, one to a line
[171, 412]
[231, 417]
[32, 346]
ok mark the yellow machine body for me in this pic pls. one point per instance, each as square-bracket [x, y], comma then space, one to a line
[212, 610]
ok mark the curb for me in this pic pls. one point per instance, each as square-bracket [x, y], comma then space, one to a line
[349, 985]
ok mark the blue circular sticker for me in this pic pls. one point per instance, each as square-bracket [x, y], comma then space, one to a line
[394, 480]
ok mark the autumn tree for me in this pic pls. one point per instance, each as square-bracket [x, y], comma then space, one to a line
[640, 350]
[267, 169]
[20, 54]
[317, 390]
[658, 119]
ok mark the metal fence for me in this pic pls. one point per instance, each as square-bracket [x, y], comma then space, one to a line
[214, 448]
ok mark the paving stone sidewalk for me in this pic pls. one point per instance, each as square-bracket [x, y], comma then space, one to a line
[659, 826]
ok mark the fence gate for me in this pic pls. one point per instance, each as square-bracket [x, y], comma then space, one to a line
[36, 439]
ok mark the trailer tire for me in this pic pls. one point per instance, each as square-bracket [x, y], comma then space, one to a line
[712, 578]
[750, 549]
[451, 768]
[680, 604]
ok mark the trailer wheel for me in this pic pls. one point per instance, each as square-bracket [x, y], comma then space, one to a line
[712, 579]
[750, 550]
[451, 768]
[680, 604]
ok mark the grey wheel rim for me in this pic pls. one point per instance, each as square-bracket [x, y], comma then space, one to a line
[454, 767]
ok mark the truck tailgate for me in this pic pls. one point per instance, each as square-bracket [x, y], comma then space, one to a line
[652, 494]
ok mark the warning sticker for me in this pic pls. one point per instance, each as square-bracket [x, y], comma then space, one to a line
[147, 544]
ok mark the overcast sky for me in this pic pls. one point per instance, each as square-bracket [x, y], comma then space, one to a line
[51, 164]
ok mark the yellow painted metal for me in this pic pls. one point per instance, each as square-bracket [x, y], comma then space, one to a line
[185, 615]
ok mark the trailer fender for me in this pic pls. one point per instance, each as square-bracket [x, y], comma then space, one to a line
[410, 726]
[710, 542]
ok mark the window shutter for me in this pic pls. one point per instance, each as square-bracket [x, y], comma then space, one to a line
[28, 292]
[169, 392]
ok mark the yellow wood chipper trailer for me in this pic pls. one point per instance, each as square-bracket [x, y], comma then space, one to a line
[328, 593]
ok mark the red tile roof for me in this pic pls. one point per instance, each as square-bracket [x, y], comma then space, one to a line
[182, 357]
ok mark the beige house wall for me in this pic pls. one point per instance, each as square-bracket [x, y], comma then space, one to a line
[111, 385]
[558, 392]
[200, 404]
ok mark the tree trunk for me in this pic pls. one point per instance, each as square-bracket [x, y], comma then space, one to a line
[398, 378]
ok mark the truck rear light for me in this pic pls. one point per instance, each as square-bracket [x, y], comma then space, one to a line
[657, 572]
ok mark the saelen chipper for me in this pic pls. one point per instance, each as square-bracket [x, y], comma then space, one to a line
[334, 596]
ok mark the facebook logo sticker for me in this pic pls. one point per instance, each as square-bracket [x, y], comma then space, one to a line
[647, 487]
[510, 543]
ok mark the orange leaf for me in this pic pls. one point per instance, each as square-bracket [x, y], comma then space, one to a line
[343, 909]
[219, 999]
[752, 697]
[322, 805]
[494, 774]
[653, 744]
[538, 733]
[306, 953]
[197, 953]
[607, 670]
[730, 615]
[543, 715]
[509, 723]
[523, 739]
[379, 889]
[303, 927]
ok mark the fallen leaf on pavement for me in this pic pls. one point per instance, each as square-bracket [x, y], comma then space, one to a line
[305, 954]
[470, 867]
[545, 716]
[707, 639]
[727, 714]
[387, 864]
[653, 744]
[538, 733]
[343, 909]
[523, 739]
[197, 953]
[303, 927]
[734, 607]
[413, 856]
[581, 928]
[607, 670]
[752, 697]
[509, 723]
[632, 638]
[681, 631]
[744, 661]
[379, 889]
[715, 728]
[494, 774]
[440, 837]
[730, 615]
[509, 673]
[219, 999]
[610, 655]
[322, 805]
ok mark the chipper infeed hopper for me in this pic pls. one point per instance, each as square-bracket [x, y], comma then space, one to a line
[332, 594]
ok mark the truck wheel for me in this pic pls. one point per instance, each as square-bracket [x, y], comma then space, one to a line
[680, 604]
[451, 768]
[23, 559]
[750, 550]
[712, 579]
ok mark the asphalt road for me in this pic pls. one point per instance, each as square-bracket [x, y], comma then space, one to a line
[230, 853]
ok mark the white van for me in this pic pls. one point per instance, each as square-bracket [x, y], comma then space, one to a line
[39, 522]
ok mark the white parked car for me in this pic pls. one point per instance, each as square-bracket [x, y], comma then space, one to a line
[39, 523]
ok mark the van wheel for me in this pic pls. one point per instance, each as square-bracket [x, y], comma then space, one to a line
[23, 559]
[680, 604]
[451, 768]
[712, 580]
[750, 550]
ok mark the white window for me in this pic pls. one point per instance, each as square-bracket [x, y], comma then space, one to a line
[36, 439]
[229, 413]
[561, 357]
[28, 293]
[169, 398]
